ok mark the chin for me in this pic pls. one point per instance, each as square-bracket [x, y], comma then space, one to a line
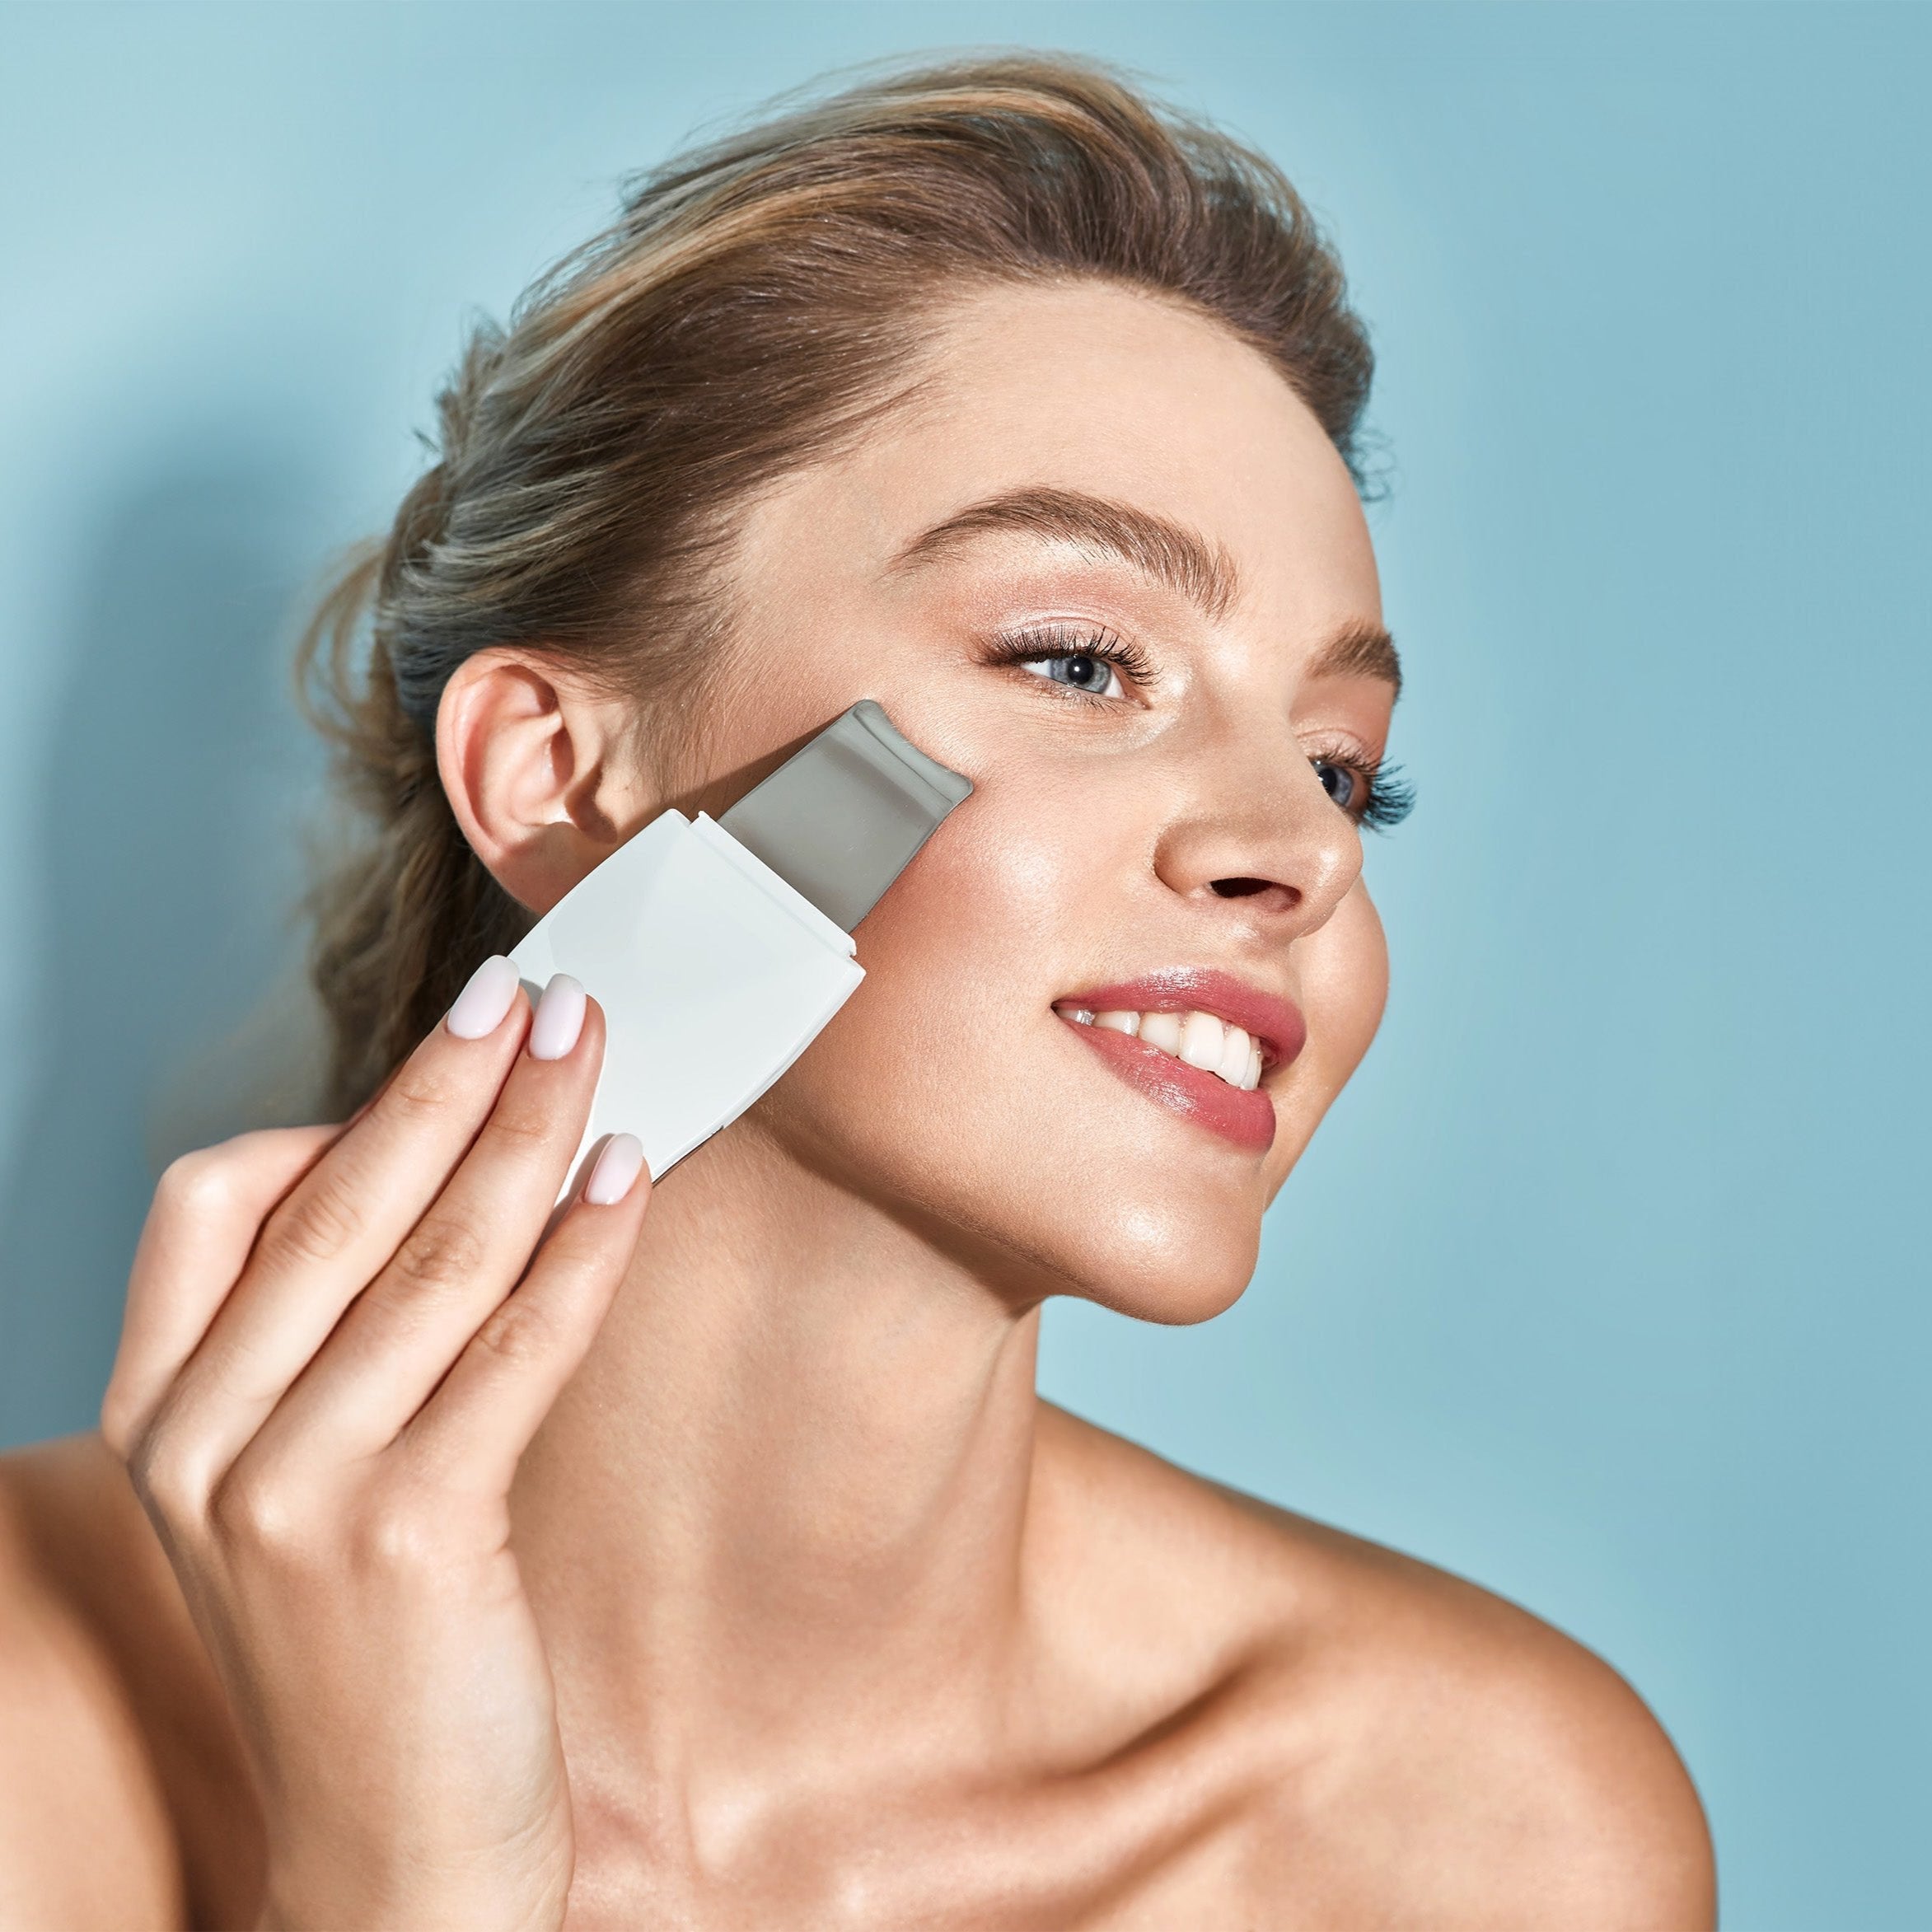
[1167, 1265]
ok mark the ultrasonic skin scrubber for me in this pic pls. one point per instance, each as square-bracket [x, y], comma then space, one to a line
[719, 949]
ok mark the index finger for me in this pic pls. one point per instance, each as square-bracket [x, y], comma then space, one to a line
[341, 1223]
[208, 1206]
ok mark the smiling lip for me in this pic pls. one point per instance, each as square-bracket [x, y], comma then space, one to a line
[1247, 1119]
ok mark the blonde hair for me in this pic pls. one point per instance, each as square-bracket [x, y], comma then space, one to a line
[755, 303]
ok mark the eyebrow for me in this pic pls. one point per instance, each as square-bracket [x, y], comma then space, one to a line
[1359, 649]
[1169, 552]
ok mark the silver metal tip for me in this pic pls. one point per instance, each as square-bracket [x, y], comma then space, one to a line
[845, 815]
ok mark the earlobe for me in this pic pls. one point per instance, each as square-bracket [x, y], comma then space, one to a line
[526, 761]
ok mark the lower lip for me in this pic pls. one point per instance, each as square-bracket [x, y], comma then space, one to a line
[1245, 1118]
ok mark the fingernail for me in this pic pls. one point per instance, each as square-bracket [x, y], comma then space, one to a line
[618, 1167]
[559, 1018]
[479, 1008]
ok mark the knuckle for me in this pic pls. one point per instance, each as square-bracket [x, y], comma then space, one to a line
[442, 1254]
[168, 1477]
[195, 1187]
[416, 1092]
[518, 1334]
[320, 1224]
[261, 1511]
[524, 1127]
[401, 1528]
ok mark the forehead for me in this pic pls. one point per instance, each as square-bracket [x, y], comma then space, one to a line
[1116, 394]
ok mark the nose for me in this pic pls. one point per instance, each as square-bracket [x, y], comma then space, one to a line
[1257, 837]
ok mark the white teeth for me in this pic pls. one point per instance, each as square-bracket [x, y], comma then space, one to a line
[1201, 1035]
[1200, 1039]
[1232, 1064]
[1161, 1030]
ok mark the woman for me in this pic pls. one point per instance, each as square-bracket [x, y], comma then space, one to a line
[704, 1558]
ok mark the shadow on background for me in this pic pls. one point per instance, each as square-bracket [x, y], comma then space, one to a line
[167, 1010]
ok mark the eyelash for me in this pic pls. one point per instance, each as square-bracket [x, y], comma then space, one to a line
[1391, 799]
[1074, 640]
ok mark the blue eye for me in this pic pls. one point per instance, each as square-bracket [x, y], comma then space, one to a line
[1341, 784]
[1082, 670]
[1086, 660]
[1375, 797]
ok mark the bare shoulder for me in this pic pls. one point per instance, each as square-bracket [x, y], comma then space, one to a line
[1408, 1748]
[86, 1836]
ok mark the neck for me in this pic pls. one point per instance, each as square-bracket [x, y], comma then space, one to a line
[783, 1501]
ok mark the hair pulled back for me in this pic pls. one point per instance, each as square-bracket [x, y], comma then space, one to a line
[755, 303]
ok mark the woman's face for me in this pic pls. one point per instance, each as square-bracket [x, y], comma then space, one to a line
[1111, 567]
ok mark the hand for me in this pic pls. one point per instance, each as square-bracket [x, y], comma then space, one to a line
[337, 1347]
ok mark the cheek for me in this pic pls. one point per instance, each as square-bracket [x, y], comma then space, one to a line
[918, 1068]
[946, 1085]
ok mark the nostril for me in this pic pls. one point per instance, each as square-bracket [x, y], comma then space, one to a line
[1240, 888]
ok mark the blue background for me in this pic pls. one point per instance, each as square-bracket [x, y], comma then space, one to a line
[1602, 1284]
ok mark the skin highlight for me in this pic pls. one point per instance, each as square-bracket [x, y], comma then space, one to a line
[1092, 845]
[842, 1625]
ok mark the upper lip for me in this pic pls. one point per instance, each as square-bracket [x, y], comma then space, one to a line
[1276, 1022]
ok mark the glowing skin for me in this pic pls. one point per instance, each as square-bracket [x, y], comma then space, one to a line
[829, 1621]
[1098, 828]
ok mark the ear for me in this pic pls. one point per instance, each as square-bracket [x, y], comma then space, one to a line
[539, 772]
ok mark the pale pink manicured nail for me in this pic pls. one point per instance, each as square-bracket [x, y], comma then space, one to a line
[618, 1166]
[559, 1018]
[479, 1008]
